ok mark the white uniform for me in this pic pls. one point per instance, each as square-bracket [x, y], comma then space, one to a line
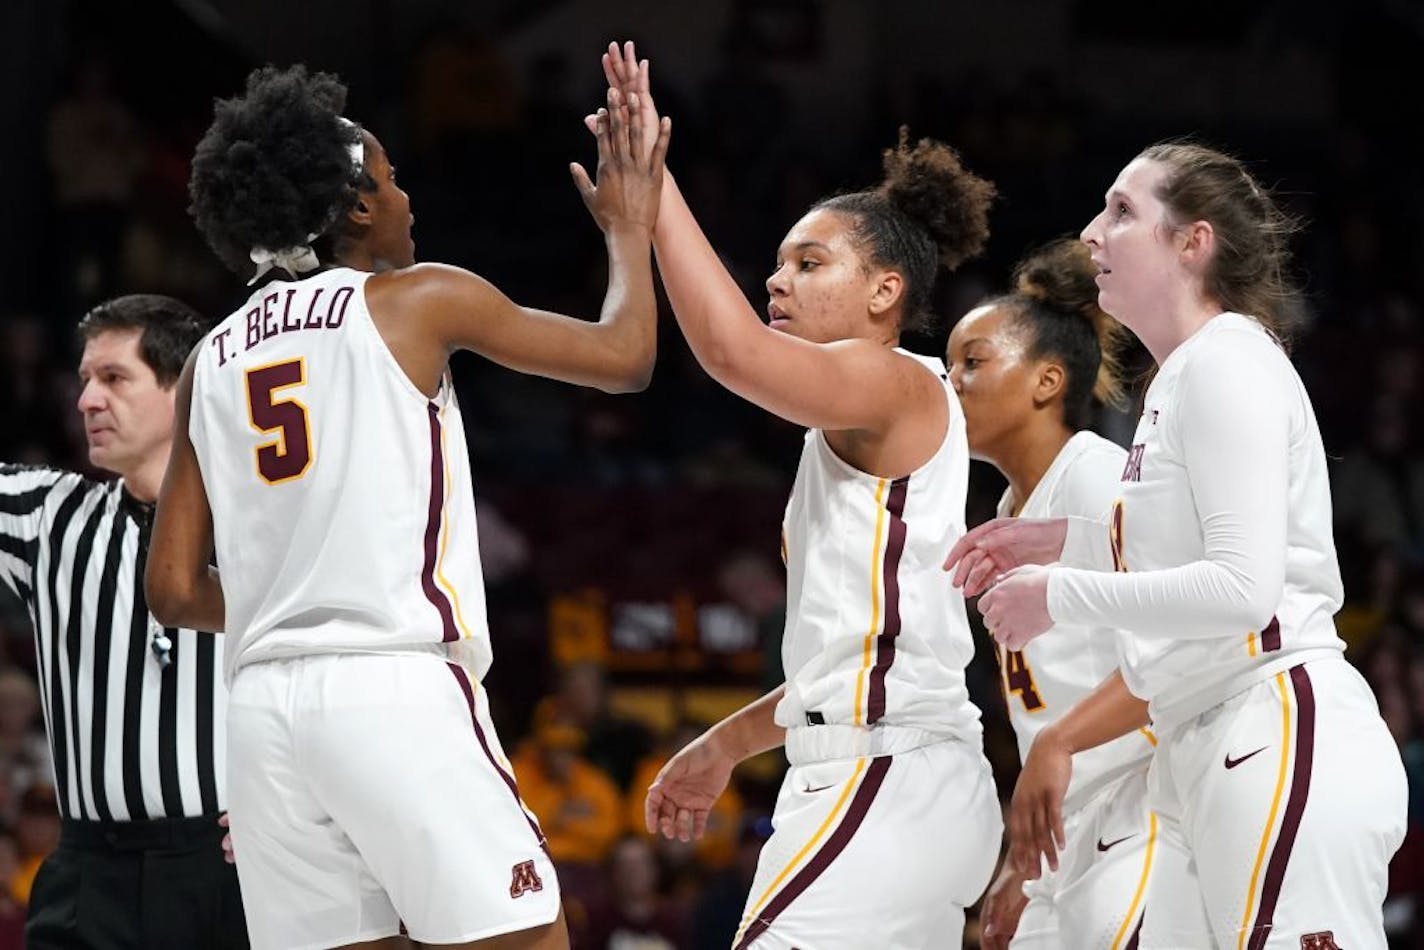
[887, 824]
[368, 787]
[1094, 900]
[1228, 583]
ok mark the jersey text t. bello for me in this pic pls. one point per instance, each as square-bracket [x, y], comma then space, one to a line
[265, 322]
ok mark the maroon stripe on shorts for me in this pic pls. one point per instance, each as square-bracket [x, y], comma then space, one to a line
[463, 679]
[432, 529]
[1137, 931]
[835, 844]
[1271, 636]
[885, 643]
[1295, 806]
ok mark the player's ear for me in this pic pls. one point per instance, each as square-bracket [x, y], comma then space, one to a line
[360, 213]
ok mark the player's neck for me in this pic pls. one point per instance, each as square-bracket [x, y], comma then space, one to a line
[1026, 462]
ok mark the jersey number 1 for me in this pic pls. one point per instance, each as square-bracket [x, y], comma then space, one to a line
[289, 455]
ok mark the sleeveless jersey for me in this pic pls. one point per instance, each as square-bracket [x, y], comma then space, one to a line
[343, 510]
[874, 632]
[1055, 670]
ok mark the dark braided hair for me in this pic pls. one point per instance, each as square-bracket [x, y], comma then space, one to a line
[275, 166]
[1055, 299]
[930, 211]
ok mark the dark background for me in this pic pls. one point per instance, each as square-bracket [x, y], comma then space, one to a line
[631, 541]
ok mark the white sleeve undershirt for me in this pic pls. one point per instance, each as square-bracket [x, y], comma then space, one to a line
[1233, 412]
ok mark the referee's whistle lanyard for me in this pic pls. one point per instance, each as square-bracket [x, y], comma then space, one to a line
[160, 644]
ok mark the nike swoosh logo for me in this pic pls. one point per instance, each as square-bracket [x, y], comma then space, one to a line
[821, 788]
[1112, 844]
[1232, 763]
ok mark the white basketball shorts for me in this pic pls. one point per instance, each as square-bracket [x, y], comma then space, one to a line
[1094, 900]
[882, 852]
[370, 790]
[1278, 813]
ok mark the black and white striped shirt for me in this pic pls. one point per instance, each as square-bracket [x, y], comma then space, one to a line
[132, 737]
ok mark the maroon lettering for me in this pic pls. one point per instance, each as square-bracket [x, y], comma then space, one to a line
[290, 454]
[269, 323]
[287, 322]
[1018, 678]
[313, 322]
[1132, 472]
[523, 879]
[254, 327]
[1325, 940]
[220, 341]
[343, 294]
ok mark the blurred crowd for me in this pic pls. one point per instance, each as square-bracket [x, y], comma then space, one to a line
[672, 497]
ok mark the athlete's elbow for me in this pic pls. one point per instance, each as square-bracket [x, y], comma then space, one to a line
[631, 378]
[167, 599]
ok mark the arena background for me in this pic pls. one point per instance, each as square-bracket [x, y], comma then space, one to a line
[630, 542]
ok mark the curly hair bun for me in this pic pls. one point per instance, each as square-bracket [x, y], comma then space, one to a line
[930, 185]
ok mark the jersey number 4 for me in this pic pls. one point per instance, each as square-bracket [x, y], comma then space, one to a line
[1018, 678]
[289, 455]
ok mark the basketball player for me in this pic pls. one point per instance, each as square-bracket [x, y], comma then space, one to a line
[320, 453]
[1027, 367]
[887, 822]
[1218, 558]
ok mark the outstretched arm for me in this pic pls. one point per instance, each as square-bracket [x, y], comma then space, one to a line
[180, 584]
[849, 384]
[460, 310]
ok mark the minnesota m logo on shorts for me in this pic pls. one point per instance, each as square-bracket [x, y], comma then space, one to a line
[523, 879]
[1325, 940]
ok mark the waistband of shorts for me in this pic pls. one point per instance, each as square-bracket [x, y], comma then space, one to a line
[823, 743]
[157, 834]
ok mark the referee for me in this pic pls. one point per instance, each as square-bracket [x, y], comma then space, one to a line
[134, 712]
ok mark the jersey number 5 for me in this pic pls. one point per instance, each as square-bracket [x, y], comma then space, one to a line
[1018, 678]
[289, 455]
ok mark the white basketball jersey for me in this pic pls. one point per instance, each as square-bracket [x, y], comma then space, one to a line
[1069, 661]
[874, 631]
[343, 510]
[1189, 647]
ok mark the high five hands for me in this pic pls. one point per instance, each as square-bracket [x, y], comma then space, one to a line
[632, 149]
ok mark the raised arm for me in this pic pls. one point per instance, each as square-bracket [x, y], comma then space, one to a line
[849, 384]
[180, 584]
[456, 309]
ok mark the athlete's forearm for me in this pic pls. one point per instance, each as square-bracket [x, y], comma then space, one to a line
[1103, 715]
[630, 308]
[752, 729]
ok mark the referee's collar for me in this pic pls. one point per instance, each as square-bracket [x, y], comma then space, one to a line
[140, 511]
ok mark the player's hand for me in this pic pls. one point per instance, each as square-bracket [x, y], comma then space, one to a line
[683, 793]
[630, 76]
[1003, 906]
[630, 166]
[228, 856]
[1036, 812]
[1016, 608]
[1001, 545]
